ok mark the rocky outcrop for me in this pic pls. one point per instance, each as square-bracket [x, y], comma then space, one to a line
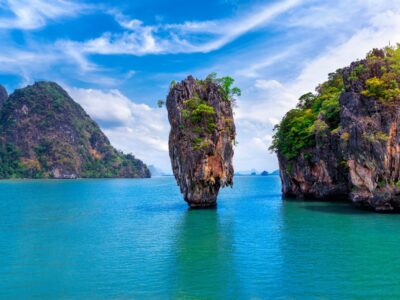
[46, 134]
[3, 95]
[359, 157]
[316, 173]
[372, 124]
[201, 140]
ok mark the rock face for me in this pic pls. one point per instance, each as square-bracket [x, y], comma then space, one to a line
[316, 173]
[3, 95]
[371, 121]
[201, 140]
[357, 157]
[45, 134]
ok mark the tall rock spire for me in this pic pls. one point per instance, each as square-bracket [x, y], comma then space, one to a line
[201, 139]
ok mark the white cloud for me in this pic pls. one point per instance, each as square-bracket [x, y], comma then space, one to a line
[267, 84]
[382, 29]
[252, 70]
[131, 127]
[176, 38]
[32, 14]
[267, 100]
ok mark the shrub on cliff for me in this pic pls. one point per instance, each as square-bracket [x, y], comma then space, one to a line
[378, 76]
[297, 129]
[200, 116]
[383, 70]
[228, 92]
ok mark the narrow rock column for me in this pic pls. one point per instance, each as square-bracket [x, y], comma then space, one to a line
[201, 140]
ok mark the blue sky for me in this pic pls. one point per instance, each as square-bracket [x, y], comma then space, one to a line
[116, 58]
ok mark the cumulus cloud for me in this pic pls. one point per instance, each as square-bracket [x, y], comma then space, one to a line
[131, 127]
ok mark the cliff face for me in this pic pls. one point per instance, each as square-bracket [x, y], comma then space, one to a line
[45, 134]
[370, 117]
[201, 140]
[358, 156]
[3, 95]
[316, 173]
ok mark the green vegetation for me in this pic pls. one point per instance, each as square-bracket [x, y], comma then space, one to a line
[376, 137]
[172, 84]
[378, 74]
[299, 126]
[382, 183]
[199, 112]
[160, 103]
[43, 132]
[356, 72]
[228, 92]
[345, 136]
[200, 115]
[384, 67]
[10, 165]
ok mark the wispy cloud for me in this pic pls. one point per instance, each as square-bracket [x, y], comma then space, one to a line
[266, 100]
[140, 39]
[33, 14]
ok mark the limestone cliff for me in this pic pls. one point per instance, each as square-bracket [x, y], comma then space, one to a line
[201, 139]
[343, 142]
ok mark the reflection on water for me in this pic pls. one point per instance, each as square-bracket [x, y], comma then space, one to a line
[340, 250]
[204, 263]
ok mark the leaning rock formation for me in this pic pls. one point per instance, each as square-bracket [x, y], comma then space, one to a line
[344, 142]
[201, 140]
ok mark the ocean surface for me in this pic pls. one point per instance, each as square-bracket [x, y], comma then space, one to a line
[136, 239]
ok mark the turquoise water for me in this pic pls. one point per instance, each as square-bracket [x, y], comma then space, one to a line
[136, 239]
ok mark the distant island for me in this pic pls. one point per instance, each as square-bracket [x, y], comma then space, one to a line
[344, 141]
[46, 134]
[254, 172]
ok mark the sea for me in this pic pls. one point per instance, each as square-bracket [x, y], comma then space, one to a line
[137, 239]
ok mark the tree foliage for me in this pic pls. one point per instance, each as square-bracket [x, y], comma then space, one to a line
[227, 90]
[378, 75]
[297, 129]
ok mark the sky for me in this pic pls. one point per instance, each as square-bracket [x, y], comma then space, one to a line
[117, 58]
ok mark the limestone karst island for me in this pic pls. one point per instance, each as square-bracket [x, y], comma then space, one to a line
[200, 150]
[202, 137]
[342, 142]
